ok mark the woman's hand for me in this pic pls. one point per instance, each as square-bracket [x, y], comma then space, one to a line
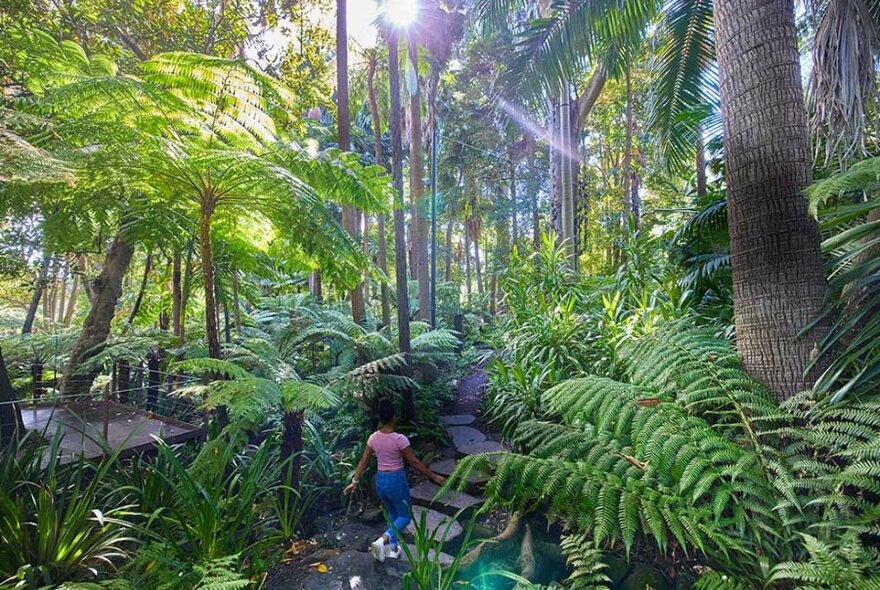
[350, 488]
[438, 479]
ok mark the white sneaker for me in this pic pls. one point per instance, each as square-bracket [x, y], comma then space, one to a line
[377, 548]
[393, 553]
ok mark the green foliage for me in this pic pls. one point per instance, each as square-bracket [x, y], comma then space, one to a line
[851, 220]
[691, 454]
[427, 569]
[54, 522]
[847, 565]
[221, 574]
[213, 508]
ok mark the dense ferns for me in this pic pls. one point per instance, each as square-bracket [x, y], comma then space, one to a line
[694, 456]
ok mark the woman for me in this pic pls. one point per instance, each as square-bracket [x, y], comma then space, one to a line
[390, 448]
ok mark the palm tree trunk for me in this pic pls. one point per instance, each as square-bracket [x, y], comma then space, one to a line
[403, 333]
[350, 214]
[380, 218]
[212, 332]
[701, 165]
[420, 237]
[107, 290]
[31, 315]
[778, 278]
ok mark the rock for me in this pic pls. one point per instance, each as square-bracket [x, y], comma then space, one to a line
[450, 503]
[458, 419]
[487, 446]
[444, 559]
[644, 577]
[436, 523]
[476, 481]
[617, 568]
[372, 515]
[465, 435]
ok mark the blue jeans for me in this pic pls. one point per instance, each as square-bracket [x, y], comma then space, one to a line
[393, 491]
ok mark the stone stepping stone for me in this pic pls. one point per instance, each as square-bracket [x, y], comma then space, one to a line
[458, 420]
[447, 466]
[487, 446]
[444, 559]
[450, 503]
[436, 523]
[465, 435]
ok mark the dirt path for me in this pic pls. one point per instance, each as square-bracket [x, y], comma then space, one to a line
[341, 560]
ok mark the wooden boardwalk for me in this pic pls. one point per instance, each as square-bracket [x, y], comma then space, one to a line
[128, 429]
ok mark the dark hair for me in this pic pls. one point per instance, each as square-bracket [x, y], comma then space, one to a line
[386, 410]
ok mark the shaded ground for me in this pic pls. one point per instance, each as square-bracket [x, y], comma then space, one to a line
[338, 557]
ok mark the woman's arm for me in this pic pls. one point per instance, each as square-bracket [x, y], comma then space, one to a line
[420, 467]
[361, 467]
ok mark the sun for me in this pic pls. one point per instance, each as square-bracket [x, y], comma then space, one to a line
[401, 12]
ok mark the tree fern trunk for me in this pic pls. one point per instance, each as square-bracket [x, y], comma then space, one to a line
[778, 278]
[212, 332]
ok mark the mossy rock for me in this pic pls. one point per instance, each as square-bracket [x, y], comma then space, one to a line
[644, 577]
[617, 567]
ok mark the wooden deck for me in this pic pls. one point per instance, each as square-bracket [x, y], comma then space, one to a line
[127, 428]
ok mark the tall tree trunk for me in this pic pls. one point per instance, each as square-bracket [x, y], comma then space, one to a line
[71, 302]
[477, 267]
[153, 380]
[467, 258]
[533, 192]
[513, 220]
[148, 267]
[60, 298]
[212, 332]
[186, 289]
[291, 448]
[236, 304]
[176, 293]
[11, 424]
[626, 205]
[701, 164]
[350, 214]
[107, 290]
[403, 333]
[28, 326]
[448, 273]
[315, 287]
[420, 237]
[778, 279]
[380, 218]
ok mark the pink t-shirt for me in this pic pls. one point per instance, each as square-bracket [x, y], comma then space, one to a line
[387, 447]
